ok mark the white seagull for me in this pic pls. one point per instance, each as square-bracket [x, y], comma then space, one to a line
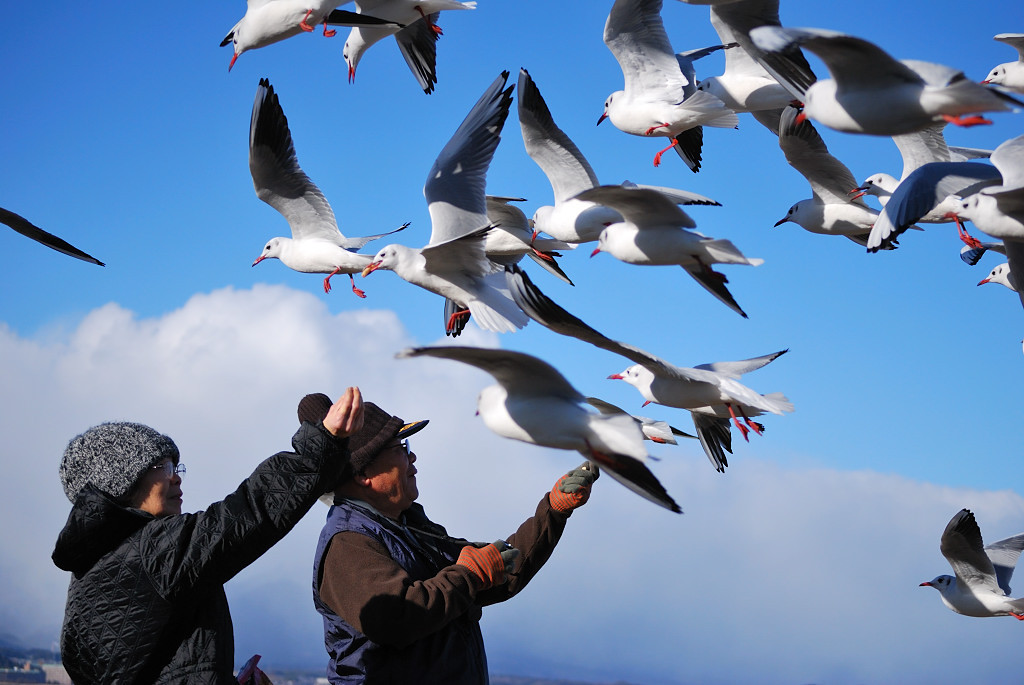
[269, 21]
[981, 586]
[569, 173]
[1009, 75]
[748, 83]
[710, 392]
[511, 238]
[999, 209]
[416, 41]
[453, 264]
[653, 232]
[930, 192]
[658, 99]
[30, 230]
[534, 403]
[831, 210]
[1002, 275]
[316, 245]
[870, 92]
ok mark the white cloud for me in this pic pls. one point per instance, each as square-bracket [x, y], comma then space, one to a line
[772, 575]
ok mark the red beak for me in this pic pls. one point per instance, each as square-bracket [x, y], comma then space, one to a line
[615, 377]
[596, 250]
[602, 118]
[232, 63]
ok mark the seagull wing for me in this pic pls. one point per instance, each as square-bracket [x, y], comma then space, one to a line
[830, 179]
[1004, 555]
[455, 186]
[418, 44]
[635, 34]
[277, 177]
[568, 171]
[520, 374]
[30, 230]
[640, 206]
[963, 548]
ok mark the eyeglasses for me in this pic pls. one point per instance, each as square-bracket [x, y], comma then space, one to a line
[169, 468]
[405, 447]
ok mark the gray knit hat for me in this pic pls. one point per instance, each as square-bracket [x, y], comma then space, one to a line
[113, 456]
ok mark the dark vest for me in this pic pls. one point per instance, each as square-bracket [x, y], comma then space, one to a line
[452, 655]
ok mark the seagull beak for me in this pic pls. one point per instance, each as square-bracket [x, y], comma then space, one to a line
[615, 377]
[233, 58]
[985, 81]
[604, 116]
[800, 117]
[370, 268]
[781, 221]
[351, 74]
[259, 259]
[596, 250]
[984, 281]
[926, 584]
[860, 192]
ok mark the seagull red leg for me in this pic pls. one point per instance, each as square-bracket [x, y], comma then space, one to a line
[327, 281]
[973, 120]
[462, 313]
[968, 239]
[756, 427]
[329, 33]
[357, 291]
[743, 429]
[303, 25]
[1019, 617]
[433, 27]
[657, 157]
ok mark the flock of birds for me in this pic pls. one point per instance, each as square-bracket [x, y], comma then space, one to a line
[477, 241]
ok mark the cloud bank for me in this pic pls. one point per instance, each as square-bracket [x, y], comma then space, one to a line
[772, 575]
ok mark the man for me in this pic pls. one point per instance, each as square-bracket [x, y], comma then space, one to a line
[400, 599]
[146, 602]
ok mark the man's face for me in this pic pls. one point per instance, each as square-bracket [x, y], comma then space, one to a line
[392, 479]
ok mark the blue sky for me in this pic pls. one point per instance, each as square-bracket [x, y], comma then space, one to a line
[123, 132]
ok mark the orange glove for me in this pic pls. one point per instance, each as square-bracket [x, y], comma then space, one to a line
[573, 489]
[491, 563]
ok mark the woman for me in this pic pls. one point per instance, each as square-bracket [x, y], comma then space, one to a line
[146, 602]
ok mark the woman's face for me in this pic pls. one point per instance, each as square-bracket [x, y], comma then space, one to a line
[158, 490]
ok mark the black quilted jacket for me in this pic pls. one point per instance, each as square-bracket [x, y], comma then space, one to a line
[146, 602]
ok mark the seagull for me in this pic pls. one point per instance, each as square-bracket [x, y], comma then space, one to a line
[981, 586]
[710, 391]
[569, 173]
[655, 431]
[831, 210]
[926, 194]
[416, 40]
[316, 245]
[999, 209]
[872, 93]
[658, 99]
[1009, 75]
[748, 83]
[1002, 275]
[511, 238]
[30, 230]
[508, 240]
[653, 232]
[534, 403]
[453, 264]
[269, 21]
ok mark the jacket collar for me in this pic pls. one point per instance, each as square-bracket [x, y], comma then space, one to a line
[96, 525]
